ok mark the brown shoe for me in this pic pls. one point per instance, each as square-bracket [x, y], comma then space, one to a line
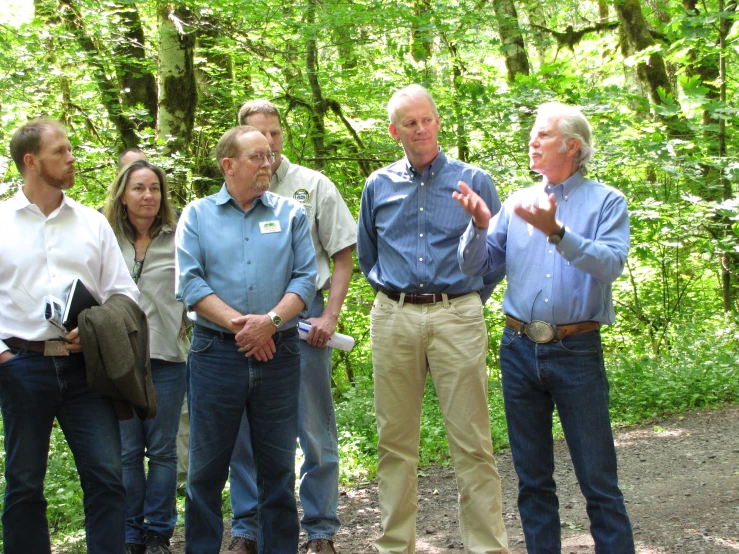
[240, 545]
[322, 546]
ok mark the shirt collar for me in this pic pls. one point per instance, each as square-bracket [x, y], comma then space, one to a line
[223, 197]
[20, 201]
[569, 185]
[281, 172]
[434, 167]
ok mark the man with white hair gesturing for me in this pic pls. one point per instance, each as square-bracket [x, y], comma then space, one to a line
[563, 242]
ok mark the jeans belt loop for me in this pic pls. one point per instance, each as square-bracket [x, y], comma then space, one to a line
[401, 300]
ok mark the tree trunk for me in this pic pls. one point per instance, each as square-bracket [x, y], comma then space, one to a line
[47, 11]
[513, 47]
[636, 37]
[422, 39]
[730, 262]
[217, 106]
[463, 145]
[177, 90]
[108, 89]
[535, 17]
[137, 81]
[318, 107]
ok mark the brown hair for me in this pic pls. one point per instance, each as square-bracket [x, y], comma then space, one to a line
[113, 209]
[27, 139]
[258, 106]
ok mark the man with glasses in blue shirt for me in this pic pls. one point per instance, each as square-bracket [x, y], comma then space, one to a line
[246, 270]
[334, 234]
[427, 320]
[563, 242]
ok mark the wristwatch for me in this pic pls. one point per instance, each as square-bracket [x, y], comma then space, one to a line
[557, 237]
[275, 319]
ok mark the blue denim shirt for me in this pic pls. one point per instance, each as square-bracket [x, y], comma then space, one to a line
[567, 283]
[247, 259]
[409, 227]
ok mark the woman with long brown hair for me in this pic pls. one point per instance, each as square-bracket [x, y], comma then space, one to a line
[142, 217]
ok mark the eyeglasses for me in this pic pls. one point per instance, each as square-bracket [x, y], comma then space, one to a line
[138, 265]
[258, 158]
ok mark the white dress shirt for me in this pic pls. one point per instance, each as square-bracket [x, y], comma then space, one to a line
[42, 255]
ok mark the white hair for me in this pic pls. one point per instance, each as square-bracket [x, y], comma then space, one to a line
[411, 91]
[573, 124]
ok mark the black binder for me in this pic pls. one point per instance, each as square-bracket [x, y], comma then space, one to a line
[79, 299]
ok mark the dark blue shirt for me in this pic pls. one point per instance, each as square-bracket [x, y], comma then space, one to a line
[409, 227]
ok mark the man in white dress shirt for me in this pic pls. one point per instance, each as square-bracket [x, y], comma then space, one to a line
[47, 241]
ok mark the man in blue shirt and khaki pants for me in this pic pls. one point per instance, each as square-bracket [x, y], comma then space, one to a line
[246, 269]
[427, 319]
[563, 242]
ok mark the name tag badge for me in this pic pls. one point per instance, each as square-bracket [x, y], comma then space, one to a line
[269, 227]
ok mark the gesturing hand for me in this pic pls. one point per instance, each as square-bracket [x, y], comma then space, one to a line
[473, 205]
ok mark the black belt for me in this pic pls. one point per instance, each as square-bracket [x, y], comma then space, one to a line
[541, 331]
[413, 298]
[285, 333]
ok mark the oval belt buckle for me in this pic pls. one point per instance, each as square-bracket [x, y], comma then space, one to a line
[540, 331]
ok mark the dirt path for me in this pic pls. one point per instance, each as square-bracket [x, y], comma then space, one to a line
[680, 478]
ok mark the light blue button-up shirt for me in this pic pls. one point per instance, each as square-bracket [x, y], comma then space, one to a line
[247, 259]
[568, 283]
[409, 228]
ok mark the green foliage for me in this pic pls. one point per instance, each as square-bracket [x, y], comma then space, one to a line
[669, 350]
[355, 421]
[697, 370]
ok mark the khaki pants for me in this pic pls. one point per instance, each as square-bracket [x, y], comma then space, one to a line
[447, 340]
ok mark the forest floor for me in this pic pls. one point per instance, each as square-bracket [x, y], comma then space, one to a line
[679, 476]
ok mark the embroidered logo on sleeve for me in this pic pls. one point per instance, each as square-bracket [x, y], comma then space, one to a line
[269, 227]
[301, 195]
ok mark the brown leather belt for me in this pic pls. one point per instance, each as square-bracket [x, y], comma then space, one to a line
[541, 331]
[413, 298]
[47, 348]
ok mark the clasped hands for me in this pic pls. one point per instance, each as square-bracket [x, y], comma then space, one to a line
[255, 336]
[542, 217]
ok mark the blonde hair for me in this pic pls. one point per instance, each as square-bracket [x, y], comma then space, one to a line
[115, 214]
[228, 146]
[411, 91]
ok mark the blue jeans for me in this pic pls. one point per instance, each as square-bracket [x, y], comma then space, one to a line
[151, 498]
[319, 474]
[222, 383]
[571, 375]
[34, 390]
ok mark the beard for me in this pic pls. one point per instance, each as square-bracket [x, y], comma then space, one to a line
[261, 183]
[62, 184]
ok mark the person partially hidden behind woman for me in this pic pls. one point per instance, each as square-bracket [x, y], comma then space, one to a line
[142, 217]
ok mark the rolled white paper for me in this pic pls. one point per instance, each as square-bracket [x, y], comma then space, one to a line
[337, 340]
